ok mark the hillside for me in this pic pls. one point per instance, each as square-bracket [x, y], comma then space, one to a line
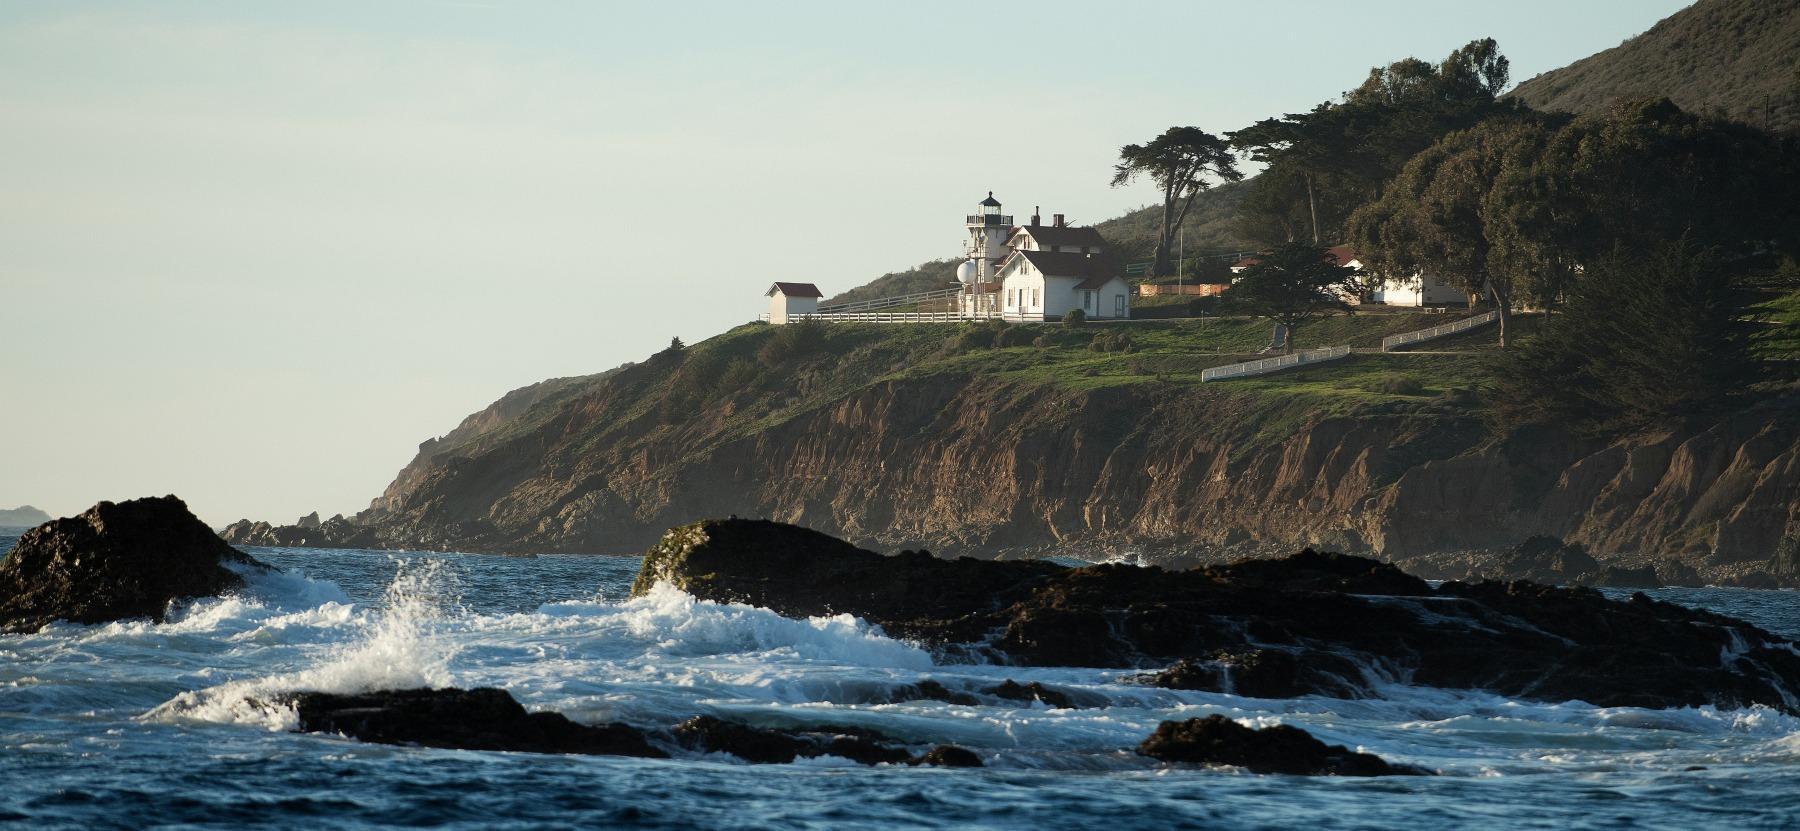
[1133, 235]
[24, 516]
[1735, 58]
[930, 435]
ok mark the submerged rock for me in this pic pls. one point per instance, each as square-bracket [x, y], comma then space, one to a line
[484, 718]
[1014, 691]
[113, 562]
[765, 745]
[1217, 740]
[948, 756]
[1264, 673]
[1310, 623]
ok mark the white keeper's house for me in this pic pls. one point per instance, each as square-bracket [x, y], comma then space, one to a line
[1421, 289]
[1036, 271]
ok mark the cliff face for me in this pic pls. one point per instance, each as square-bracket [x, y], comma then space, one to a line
[988, 465]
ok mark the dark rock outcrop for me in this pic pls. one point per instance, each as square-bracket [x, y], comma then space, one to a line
[949, 756]
[1309, 623]
[309, 532]
[1014, 691]
[1264, 673]
[484, 718]
[1217, 740]
[1620, 577]
[115, 561]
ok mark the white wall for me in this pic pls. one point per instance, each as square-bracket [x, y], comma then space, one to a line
[781, 306]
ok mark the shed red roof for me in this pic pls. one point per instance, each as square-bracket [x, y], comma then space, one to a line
[794, 290]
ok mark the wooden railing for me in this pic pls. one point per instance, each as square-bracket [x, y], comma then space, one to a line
[1268, 365]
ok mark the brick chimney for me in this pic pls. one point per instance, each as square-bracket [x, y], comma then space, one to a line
[1036, 220]
[1057, 220]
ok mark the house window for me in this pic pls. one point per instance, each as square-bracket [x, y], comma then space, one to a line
[1087, 301]
[1036, 298]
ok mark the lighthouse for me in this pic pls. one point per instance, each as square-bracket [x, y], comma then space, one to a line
[986, 245]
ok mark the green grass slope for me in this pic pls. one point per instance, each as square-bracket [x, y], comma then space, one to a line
[1735, 58]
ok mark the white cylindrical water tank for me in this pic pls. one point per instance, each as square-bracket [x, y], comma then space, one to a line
[967, 271]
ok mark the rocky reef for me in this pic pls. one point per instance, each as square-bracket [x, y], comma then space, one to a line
[1311, 623]
[487, 718]
[479, 719]
[114, 561]
[1217, 740]
[307, 532]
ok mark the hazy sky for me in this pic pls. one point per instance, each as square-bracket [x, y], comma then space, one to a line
[254, 253]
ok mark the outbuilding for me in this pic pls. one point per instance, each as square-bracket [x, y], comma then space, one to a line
[792, 300]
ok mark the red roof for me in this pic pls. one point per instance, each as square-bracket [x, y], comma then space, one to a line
[1343, 253]
[1050, 236]
[1100, 267]
[795, 290]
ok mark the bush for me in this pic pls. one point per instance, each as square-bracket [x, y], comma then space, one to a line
[1111, 342]
[1203, 306]
[739, 374]
[1396, 384]
[1075, 318]
[1012, 336]
[792, 341]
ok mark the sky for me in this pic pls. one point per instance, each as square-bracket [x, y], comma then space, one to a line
[253, 253]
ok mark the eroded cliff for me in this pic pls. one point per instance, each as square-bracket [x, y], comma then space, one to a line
[986, 454]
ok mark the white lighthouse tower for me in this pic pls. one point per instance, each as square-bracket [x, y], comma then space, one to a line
[985, 247]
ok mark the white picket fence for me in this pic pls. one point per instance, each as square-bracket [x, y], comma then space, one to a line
[1268, 365]
[886, 317]
[1392, 342]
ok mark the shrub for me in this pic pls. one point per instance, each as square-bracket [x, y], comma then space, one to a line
[1396, 384]
[1075, 318]
[1114, 341]
[739, 374]
[1012, 336]
[792, 341]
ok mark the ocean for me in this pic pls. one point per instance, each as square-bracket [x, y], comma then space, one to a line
[139, 725]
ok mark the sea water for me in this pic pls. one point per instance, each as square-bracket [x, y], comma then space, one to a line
[140, 725]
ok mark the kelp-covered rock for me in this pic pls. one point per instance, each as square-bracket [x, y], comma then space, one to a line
[483, 718]
[114, 561]
[1217, 740]
[1311, 623]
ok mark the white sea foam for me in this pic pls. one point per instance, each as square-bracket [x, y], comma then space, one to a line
[400, 647]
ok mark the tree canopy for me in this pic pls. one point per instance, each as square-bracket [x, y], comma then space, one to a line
[1293, 284]
[1183, 162]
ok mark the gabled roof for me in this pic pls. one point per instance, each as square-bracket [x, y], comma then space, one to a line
[1101, 267]
[794, 290]
[1050, 236]
[1343, 253]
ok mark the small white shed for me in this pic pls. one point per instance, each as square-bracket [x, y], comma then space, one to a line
[791, 300]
